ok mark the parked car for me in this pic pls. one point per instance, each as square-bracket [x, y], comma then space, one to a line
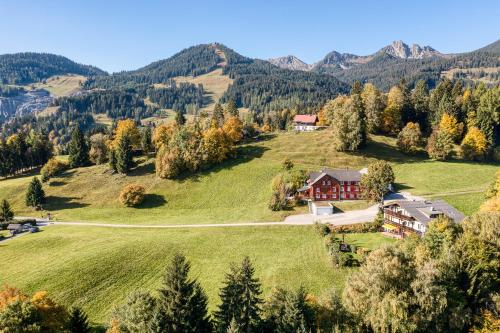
[34, 229]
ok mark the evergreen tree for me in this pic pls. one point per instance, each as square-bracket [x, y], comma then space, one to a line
[373, 105]
[232, 108]
[78, 321]
[180, 119]
[78, 149]
[123, 154]
[233, 327]
[35, 195]
[488, 115]
[218, 116]
[420, 101]
[6, 213]
[146, 136]
[240, 298]
[182, 301]
[112, 159]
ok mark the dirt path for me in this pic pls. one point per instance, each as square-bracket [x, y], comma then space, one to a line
[350, 217]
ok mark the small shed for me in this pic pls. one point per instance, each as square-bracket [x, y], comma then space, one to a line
[320, 208]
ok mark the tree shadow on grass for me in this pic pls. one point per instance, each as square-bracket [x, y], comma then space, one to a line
[60, 203]
[384, 151]
[152, 201]
[57, 183]
[142, 169]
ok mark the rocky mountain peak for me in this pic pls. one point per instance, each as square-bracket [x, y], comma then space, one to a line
[401, 50]
[290, 62]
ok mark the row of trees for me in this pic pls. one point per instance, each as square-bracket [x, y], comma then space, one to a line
[448, 114]
[23, 151]
[192, 147]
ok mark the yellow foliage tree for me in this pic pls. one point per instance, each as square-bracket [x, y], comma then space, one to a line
[53, 315]
[451, 126]
[126, 127]
[474, 145]
[162, 134]
[216, 145]
[491, 205]
[233, 128]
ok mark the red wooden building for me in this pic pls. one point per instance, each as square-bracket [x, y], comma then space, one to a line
[332, 185]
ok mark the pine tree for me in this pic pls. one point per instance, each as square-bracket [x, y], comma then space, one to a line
[6, 213]
[78, 149]
[123, 155]
[112, 159]
[218, 116]
[179, 118]
[146, 139]
[182, 301]
[420, 101]
[35, 195]
[240, 298]
[78, 321]
[232, 108]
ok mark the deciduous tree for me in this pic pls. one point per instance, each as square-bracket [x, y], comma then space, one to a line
[474, 145]
[410, 138]
[375, 183]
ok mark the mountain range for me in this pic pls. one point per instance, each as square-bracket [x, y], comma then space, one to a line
[259, 85]
[334, 59]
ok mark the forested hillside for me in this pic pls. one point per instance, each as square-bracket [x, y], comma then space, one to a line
[25, 68]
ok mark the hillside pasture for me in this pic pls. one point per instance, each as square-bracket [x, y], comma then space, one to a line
[62, 85]
[238, 190]
[97, 267]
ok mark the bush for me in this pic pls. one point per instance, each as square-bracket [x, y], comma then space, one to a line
[287, 164]
[52, 168]
[322, 229]
[132, 195]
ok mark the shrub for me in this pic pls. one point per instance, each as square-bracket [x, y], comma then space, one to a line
[287, 164]
[52, 168]
[132, 195]
[322, 229]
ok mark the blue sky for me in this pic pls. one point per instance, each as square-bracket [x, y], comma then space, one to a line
[122, 35]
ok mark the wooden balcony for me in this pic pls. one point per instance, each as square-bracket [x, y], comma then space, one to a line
[402, 229]
[398, 215]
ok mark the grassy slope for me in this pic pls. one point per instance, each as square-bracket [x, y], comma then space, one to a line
[62, 85]
[214, 83]
[238, 190]
[95, 267]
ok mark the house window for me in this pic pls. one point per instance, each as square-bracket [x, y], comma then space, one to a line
[324, 183]
[323, 196]
[317, 189]
[317, 196]
[334, 196]
[334, 189]
[342, 183]
[329, 183]
[348, 188]
[342, 195]
[351, 196]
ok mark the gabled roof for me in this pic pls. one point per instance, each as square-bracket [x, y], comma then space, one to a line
[305, 118]
[339, 174]
[421, 210]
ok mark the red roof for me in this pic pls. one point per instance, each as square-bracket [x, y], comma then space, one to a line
[305, 118]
